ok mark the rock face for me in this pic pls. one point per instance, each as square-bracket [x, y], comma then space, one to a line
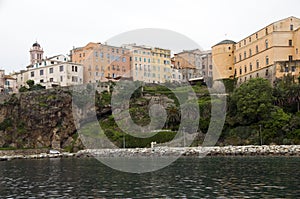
[38, 119]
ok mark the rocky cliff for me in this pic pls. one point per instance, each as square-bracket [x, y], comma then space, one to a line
[38, 119]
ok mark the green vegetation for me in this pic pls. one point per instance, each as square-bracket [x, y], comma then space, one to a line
[31, 86]
[257, 106]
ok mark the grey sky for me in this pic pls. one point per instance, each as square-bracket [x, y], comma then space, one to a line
[58, 25]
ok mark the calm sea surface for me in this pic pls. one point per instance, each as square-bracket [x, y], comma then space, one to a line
[210, 177]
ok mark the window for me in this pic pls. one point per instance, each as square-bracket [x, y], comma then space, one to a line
[293, 68]
[123, 59]
[290, 58]
[249, 39]
[72, 68]
[50, 70]
[51, 79]
[101, 55]
[267, 31]
[256, 36]
[244, 41]
[257, 74]
[245, 69]
[52, 62]
[267, 60]
[296, 50]
[96, 54]
[250, 66]
[41, 72]
[61, 68]
[290, 42]
[240, 44]
[241, 71]
[240, 56]
[291, 27]
[256, 48]
[41, 81]
[267, 44]
[76, 68]
[245, 55]
[61, 78]
[286, 69]
[145, 60]
[267, 72]
[234, 59]
[257, 64]
[250, 52]
[74, 79]
[32, 74]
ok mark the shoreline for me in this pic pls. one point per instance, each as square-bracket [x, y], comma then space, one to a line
[249, 150]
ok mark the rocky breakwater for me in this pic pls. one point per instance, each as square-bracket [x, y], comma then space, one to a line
[265, 150]
[7, 155]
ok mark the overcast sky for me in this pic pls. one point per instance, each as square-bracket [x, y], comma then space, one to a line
[58, 25]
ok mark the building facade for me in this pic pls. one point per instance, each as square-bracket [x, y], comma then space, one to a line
[49, 72]
[102, 62]
[193, 63]
[271, 53]
[2, 81]
[10, 85]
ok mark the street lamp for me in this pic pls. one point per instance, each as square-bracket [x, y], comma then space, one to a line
[260, 135]
[183, 129]
[124, 146]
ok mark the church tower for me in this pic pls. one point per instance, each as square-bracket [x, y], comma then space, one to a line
[36, 53]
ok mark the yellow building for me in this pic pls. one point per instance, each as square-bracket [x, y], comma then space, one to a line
[161, 65]
[270, 53]
[151, 65]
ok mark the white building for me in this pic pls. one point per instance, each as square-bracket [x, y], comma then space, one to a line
[50, 72]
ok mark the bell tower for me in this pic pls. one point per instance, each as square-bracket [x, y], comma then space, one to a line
[36, 53]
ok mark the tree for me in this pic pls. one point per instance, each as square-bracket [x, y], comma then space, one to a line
[253, 101]
[31, 86]
[173, 117]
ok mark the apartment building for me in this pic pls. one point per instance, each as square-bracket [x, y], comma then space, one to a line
[271, 53]
[102, 62]
[193, 63]
[49, 72]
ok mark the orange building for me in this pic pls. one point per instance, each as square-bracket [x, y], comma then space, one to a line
[102, 62]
